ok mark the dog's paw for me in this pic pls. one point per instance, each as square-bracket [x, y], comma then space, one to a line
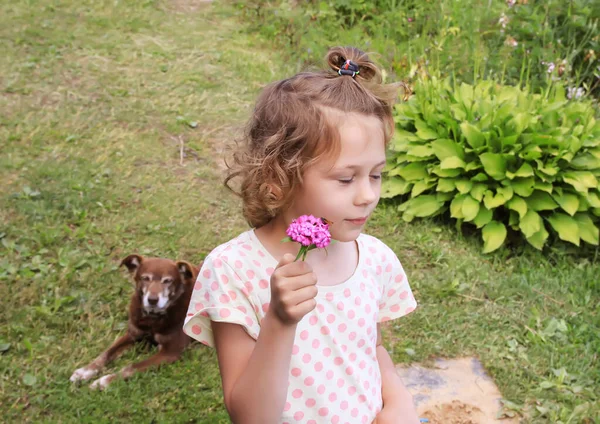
[103, 382]
[83, 374]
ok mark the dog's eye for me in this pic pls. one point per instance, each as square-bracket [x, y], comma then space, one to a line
[167, 281]
[145, 278]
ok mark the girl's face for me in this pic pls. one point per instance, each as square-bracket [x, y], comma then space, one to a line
[346, 189]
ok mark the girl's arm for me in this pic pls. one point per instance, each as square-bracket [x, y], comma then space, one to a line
[397, 400]
[254, 373]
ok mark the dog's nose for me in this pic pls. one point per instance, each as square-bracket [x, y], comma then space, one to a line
[153, 300]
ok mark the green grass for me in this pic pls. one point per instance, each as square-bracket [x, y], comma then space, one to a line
[97, 100]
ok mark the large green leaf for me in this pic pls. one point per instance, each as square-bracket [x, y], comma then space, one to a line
[422, 206]
[492, 201]
[452, 162]
[531, 223]
[483, 217]
[456, 206]
[541, 201]
[424, 132]
[566, 227]
[474, 137]
[396, 186]
[420, 187]
[470, 208]
[445, 148]
[494, 165]
[587, 230]
[539, 238]
[523, 186]
[446, 185]
[494, 234]
[581, 180]
[524, 171]
[464, 186]
[519, 205]
[414, 171]
[568, 201]
[420, 151]
[478, 190]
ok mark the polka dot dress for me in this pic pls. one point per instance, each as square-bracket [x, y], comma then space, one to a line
[334, 376]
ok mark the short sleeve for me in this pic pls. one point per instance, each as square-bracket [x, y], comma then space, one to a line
[219, 295]
[397, 298]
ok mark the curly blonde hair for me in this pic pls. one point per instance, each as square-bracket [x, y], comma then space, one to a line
[290, 129]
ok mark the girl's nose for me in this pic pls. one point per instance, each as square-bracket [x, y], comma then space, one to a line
[366, 193]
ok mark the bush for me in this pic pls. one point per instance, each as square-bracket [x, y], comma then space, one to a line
[499, 158]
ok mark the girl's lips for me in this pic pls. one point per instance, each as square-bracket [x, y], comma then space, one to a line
[358, 221]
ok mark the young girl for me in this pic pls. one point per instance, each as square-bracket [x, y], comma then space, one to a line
[299, 341]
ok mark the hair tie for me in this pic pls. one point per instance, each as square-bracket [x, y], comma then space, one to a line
[349, 68]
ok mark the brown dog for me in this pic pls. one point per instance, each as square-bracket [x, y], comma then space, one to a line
[156, 312]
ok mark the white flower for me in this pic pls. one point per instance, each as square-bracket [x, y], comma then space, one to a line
[511, 3]
[551, 67]
[573, 92]
[503, 21]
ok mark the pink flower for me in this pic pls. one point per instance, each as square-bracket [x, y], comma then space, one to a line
[310, 232]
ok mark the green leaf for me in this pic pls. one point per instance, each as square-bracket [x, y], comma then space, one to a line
[494, 234]
[541, 201]
[586, 161]
[478, 190]
[422, 206]
[547, 187]
[420, 187]
[539, 238]
[481, 177]
[4, 347]
[456, 207]
[523, 186]
[424, 132]
[566, 227]
[519, 205]
[446, 185]
[413, 171]
[587, 230]
[593, 199]
[404, 136]
[524, 171]
[580, 180]
[494, 165]
[464, 186]
[445, 148]
[492, 201]
[392, 187]
[421, 151]
[466, 94]
[531, 223]
[474, 137]
[29, 380]
[452, 163]
[470, 208]
[569, 202]
[483, 217]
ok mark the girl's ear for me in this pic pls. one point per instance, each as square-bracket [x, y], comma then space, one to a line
[132, 262]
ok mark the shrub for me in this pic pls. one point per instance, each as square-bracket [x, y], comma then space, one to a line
[500, 158]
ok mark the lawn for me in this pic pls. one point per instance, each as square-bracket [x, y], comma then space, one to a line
[114, 119]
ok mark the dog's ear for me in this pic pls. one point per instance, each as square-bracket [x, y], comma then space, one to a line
[132, 262]
[188, 271]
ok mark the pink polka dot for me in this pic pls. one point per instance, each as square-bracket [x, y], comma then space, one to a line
[313, 320]
[206, 273]
[224, 313]
[353, 357]
[335, 419]
[388, 268]
[362, 398]
[298, 415]
[329, 375]
[352, 336]
[318, 366]
[296, 372]
[309, 381]
[270, 271]
[323, 411]
[320, 308]
[198, 306]
[329, 297]
[361, 322]
[340, 382]
[247, 247]
[365, 419]
[224, 279]
[306, 358]
[250, 274]
[316, 343]
[255, 262]
[338, 360]
[304, 335]
[357, 301]
[330, 318]
[368, 351]
[332, 397]
[369, 262]
[368, 308]
[196, 329]
[351, 390]
[384, 319]
[295, 349]
[404, 295]
[325, 330]
[261, 253]
[395, 308]
[365, 273]
[214, 286]
[218, 263]
[249, 321]
[361, 343]
[224, 298]
[366, 384]
[321, 389]
[238, 264]
[409, 309]
[311, 422]
[248, 286]
[342, 327]
[198, 285]
[265, 307]
[399, 278]
[310, 402]
[349, 370]
[351, 314]
[379, 270]
[327, 352]
[347, 292]
[232, 294]
[263, 284]
[297, 393]
[287, 407]
[340, 306]
[344, 405]
[354, 412]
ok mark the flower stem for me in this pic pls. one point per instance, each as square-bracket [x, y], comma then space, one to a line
[302, 252]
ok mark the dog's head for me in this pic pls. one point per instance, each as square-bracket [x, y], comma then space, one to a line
[159, 281]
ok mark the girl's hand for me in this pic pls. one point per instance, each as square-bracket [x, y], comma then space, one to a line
[293, 290]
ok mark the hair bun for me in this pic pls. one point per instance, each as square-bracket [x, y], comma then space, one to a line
[368, 71]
